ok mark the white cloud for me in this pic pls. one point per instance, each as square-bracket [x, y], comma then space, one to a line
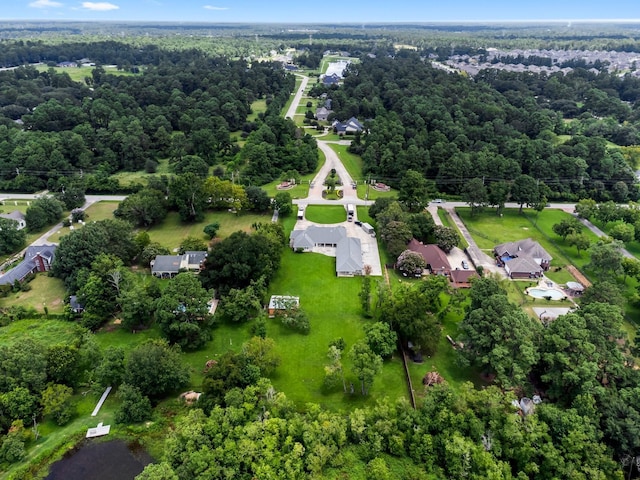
[211, 7]
[44, 4]
[99, 6]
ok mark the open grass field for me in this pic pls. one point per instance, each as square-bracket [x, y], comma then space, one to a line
[45, 291]
[97, 211]
[325, 213]
[171, 232]
[141, 177]
[78, 74]
[353, 163]
[49, 332]
[257, 107]
[334, 311]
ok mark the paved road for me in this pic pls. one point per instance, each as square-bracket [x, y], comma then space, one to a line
[298, 96]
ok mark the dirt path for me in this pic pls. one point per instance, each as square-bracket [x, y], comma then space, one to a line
[578, 276]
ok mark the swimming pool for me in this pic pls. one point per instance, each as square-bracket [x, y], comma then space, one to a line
[545, 292]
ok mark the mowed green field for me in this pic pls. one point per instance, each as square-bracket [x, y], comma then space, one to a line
[326, 214]
[171, 232]
[334, 310]
[78, 74]
[45, 291]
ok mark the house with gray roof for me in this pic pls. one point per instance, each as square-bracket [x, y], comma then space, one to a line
[168, 266]
[349, 257]
[316, 236]
[524, 248]
[348, 249]
[37, 258]
[322, 114]
[523, 259]
[349, 127]
[17, 217]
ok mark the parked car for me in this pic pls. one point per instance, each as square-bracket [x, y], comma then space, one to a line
[465, 265]
[358, 223]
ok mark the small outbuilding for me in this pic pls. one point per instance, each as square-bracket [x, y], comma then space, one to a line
[281, 303]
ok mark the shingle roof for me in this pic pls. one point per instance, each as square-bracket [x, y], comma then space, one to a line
[349, 256]
[28, 264]
[196, 257]
[526, 247]
[15, 215]
[522, 265]
[315, 235]
[434, 256]
[166, 263]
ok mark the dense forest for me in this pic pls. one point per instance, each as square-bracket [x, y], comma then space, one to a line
[496, 127]
[182, 108]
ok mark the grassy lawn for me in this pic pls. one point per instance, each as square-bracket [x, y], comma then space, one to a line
[257, 107]
[325, 213]
[78, 74]
[172, 231]
[50, 332]
[334, 311]
[446, 220]
[45, 291]
[353, 163]
[97, 211]
[490, 230]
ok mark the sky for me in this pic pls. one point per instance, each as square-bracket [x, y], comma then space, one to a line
[310, 11]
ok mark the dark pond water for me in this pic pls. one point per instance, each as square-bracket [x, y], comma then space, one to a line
[91, 460]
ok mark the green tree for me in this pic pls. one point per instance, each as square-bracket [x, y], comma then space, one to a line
[136, 307]
[158, 471]
[56, 401]
[155, 368]
[258, 199]
[475, 194]
[631, 268]
[261, 353]
[187, 194]
[381, 339]
[586, 208]
[282, 203]
[411, 263]
[525, 191]
[211, 229]
[144, 208]
[72, 195]
[240, 305]
[365, 365]
[603, 292]
[566, 227]
[18, 404]
[334, 371]
[43, 211]
[11, 239]
[134, 406]
[182, 312]
[421, 225]
[580, 241]
[414, 191]
[500, 338]
[446, 237]
[365, 294]
[621, 231]
[395, 235]
[497, 195]
[606, 257]
[110, 371]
